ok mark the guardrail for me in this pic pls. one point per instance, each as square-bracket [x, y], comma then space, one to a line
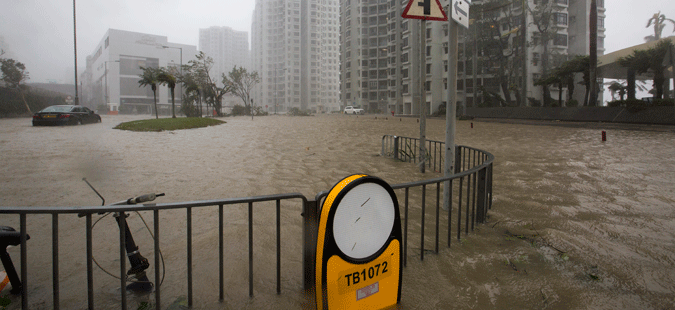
[471, 193]
[471, 164]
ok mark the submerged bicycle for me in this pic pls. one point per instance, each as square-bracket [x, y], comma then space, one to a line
[136, 274]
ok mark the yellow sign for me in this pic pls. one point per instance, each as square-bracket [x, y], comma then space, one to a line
[358, 261]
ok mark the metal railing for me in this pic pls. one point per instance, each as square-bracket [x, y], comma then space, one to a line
[470, 192]
[470, 186]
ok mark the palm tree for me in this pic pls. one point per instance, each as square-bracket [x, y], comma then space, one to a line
[659, 22]
[164, 77]
[149, 77]
[643, 61]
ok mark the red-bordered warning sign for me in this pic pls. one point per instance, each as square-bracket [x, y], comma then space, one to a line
[425, 10]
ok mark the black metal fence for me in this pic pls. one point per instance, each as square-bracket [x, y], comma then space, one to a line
[470, 191]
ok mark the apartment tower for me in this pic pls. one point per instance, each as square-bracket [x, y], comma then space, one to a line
[379, 52]
[295, 51]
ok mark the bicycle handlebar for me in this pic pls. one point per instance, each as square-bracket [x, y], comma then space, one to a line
[132, 201]
[143, 198]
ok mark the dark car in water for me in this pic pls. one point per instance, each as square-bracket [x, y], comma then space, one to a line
[65, 115]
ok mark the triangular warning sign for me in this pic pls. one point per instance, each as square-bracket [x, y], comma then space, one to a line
[425, 9]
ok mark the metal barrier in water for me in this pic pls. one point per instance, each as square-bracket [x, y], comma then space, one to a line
[471, 185]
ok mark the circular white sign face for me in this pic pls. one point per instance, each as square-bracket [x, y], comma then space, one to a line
[363, 220]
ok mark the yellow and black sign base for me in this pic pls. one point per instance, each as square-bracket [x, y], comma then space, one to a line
[358, 259]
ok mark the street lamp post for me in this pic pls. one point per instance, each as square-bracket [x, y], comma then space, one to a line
[107, 99]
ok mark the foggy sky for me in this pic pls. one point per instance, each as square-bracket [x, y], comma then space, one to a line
[39, 33]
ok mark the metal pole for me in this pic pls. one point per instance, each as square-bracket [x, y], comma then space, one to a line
[181, 84]
[474, 61]
[466, 40]
[77, 98]
[523, 48]
[451, 111]
[275, 89]
[423, 94]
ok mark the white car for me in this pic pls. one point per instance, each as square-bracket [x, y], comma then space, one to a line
[352, 110]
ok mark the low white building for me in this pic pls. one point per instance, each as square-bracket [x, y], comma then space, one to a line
[112, 73]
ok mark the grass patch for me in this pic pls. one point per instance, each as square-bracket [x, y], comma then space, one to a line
[167, 124]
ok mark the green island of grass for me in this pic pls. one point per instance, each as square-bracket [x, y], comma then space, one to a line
[167, 124]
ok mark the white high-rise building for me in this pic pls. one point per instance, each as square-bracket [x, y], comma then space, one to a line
[227, 47]
[295, 50]
[379, 53]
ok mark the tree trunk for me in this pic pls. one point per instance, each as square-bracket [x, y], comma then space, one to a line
[659, 81]
[570, 87]
[560, 87]
[24, 101]
[154, 95]
[505, 89]
[593, 57]
[631, 83]
[173, 103]
[546, 92]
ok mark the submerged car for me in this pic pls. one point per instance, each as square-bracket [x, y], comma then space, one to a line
[65, 115]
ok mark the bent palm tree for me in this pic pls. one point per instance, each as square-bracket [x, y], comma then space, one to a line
[659, 21]
[149, 77]
[166, 78]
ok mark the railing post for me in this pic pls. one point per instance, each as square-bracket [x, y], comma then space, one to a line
[396, 147]
[481, 208]
[310, 229]
[458, 159]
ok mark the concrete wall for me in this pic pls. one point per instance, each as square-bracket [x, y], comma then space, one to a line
[651, 115]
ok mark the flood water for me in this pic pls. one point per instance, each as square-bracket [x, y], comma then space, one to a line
[576, 223]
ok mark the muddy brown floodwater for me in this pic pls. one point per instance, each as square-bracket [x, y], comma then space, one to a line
[576, 223]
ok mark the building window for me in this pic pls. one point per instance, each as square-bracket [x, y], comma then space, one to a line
[560, 40]
[560, 18]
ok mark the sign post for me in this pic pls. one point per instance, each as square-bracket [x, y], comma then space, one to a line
[358, 251]
[423, 10]
[460, 16]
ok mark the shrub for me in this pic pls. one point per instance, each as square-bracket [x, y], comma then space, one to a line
[572, 103]
[189, 108]
[258, 111]
[534, 102]
[663, 102]
[635, 105]
[297, 112]
[239, 110]
[440, 111]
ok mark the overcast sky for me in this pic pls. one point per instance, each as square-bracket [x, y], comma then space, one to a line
[39, 33]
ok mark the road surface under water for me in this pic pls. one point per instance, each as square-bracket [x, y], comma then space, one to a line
[576, 223]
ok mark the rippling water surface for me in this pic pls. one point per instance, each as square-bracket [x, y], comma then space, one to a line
[576, 223]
